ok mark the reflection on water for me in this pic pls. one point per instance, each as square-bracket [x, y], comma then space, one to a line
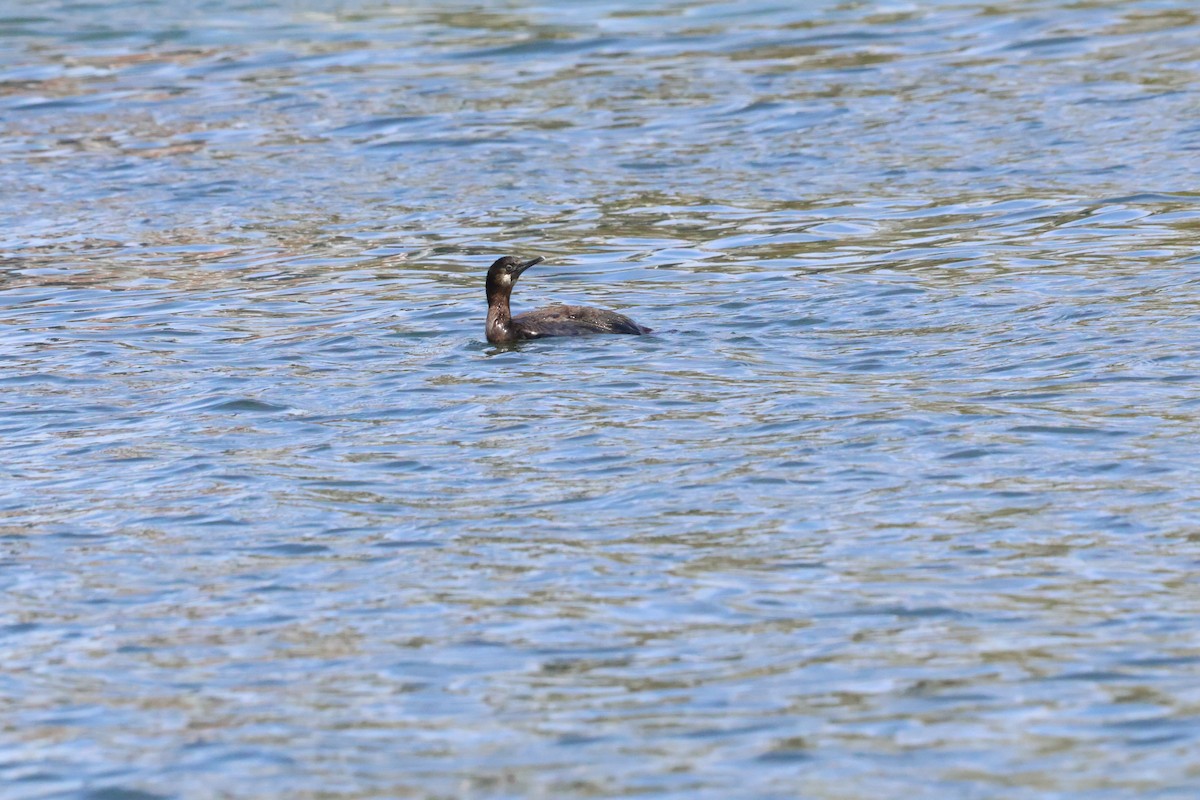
[901, 497]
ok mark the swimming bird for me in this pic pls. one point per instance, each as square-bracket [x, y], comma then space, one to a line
[504, 328]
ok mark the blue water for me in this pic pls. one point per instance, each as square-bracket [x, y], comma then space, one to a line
[901, 497]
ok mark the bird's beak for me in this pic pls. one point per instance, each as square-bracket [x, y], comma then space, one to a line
[527, 265]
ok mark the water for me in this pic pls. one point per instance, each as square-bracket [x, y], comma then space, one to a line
[900, 499]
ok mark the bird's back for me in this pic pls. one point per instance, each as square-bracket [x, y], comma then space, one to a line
[573, 321]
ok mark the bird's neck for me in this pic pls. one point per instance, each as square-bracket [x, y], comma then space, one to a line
[499, 319]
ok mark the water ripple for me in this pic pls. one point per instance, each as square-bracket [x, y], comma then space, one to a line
[898, 498]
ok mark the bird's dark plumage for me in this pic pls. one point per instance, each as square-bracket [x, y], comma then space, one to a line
[503, 328]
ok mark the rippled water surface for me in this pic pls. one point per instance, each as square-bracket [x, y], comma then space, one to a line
[900, 499]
